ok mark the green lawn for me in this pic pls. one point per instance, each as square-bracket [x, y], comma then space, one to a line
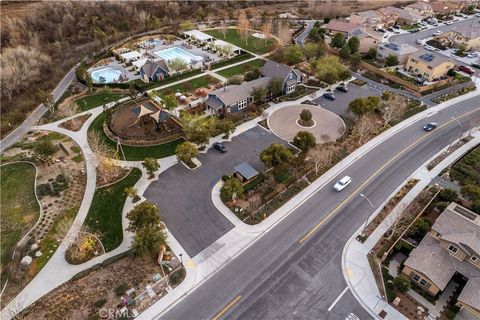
[19, 208]
[177, 77]
[105, 215]
[136, 153]
[93, 101]
[255, 45]
[241, 68]
[188, 85]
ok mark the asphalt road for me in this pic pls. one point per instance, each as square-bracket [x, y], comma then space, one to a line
[280, 278]
[32, 119]
[340, 105]
[301, 38]
[184, 196]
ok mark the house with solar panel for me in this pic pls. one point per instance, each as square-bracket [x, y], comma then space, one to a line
[401, 51]
[451, 248]
[428, 66]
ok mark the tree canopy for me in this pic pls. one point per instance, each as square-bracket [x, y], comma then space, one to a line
[275, 155]
[329, 69]
[304, 140]
[361, 106]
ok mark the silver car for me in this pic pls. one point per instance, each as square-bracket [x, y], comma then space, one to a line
[342, 183]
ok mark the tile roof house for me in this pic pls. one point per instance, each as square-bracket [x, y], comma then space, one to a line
[462, 36]
[369, 19]
[446, 8]
[451, 247]
[420, 8]
[290, 77]
[425, 64]
[368, 39]
[401, 51]
[154, 70]
[406, 17]
[390, 16]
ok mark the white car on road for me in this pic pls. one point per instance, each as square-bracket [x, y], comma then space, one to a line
[342, 183]
[438, 32]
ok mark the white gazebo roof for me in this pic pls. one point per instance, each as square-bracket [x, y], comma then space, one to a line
[131, 55]
[221, 43]
[139, 63]
[197, 34]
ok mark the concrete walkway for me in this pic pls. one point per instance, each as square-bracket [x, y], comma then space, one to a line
[355, 266]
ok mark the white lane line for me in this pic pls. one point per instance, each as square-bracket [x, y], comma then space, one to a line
[338, 299]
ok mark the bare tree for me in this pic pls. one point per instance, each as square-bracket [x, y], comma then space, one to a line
[392, 108]
[283, 31]
[20, 67]
[395, 218]
[104, 157]
[243, 25]
[364, 127]
[267, 30]
[322, 156]
[69, 110]
[144, 17]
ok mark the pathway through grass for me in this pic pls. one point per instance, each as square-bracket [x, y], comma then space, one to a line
[93, 101]
[105, 215]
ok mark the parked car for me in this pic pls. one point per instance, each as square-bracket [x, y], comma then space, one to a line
[329, 96]
[475, 65]
[472, 55]
[430, 126]
[437, 33]
[220, 147]
[466, 69]
[342, 183]
[477, 14]
[396, 26]
[342, 88]
[382, 30]
[449, 22]
[429, 48]
[419, 41]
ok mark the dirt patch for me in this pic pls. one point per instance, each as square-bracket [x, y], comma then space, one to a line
[76, 123]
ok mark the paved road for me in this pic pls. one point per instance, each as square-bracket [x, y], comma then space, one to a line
[32, 119]
[184, 197]
[340, 105]
[301, 38]
[280, 278]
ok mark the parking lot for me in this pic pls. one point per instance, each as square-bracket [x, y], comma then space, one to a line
[184, 196]
[340, 104]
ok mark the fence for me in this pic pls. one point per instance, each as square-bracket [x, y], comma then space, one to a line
[417, 90]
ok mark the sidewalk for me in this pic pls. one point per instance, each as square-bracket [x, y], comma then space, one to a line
[355, 266]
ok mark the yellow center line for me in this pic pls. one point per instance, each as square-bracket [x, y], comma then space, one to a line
[309, 234]
[228, 306]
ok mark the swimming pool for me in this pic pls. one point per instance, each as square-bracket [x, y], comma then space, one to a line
[175, 52]
[106, 75]
[153, 42]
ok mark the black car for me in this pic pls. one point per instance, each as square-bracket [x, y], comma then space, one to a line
[396, 26]
[220, 147]
[430, 126]
[329, 96]
[381, 30]
[390, 29]
[475, 65]
[342, 88]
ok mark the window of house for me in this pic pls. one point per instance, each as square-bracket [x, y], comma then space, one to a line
[474, 258]
[228, 109]
[416, 277]
[453, 249]
[290, 88]
[438, 234]
[425, 74]
[423, 282]
[242, 104]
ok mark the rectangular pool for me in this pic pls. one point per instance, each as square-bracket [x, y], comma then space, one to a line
[106, 75]
[175, 52]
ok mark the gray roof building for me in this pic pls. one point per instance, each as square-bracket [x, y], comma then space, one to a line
[277, 70]
[150, 67]
[470, 294]
[246, 171]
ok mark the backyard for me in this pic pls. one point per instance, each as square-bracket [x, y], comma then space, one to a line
[255, 45]
[105, 215]
[19, 207]
[136, 153]
[188, 86]
[242, 68]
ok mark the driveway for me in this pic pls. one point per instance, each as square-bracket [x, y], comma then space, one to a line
[340, 105]
[184, 196]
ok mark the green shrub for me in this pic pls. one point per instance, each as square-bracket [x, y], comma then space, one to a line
[177, 277]
[45, 147]
[120, 290]
[99, 303]
[255, 182]
[448, 195]
[401, 283]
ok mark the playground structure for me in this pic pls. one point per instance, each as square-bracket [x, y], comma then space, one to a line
[142, 122]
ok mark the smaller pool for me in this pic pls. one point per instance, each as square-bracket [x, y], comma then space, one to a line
[153, 42]
[106, 75]
[175, 52]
